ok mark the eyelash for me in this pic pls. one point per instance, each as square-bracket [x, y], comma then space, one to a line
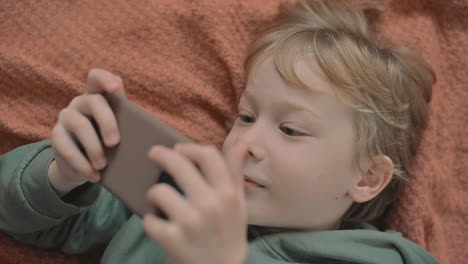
[296, 133]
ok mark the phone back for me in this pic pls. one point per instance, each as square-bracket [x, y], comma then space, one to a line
[130, 173]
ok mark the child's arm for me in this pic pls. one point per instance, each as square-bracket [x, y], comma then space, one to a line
[46, 199]
[33, 213]
[77, 144]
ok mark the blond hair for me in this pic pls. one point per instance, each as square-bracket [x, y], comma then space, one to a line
[389, 88]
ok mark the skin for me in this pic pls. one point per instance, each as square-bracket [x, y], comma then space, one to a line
[301, 148]
[296, 142]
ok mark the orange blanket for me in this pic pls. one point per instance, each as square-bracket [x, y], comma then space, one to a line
[182, 61]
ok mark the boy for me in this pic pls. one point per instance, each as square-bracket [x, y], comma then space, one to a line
[326, 128]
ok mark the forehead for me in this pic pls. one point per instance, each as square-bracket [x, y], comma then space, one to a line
[301, 76]
[267, 86]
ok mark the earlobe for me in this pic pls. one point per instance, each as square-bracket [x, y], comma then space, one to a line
[372, 180]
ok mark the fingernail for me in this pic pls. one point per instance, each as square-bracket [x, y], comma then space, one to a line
[114, 85]
[113, 139]
[155, 149]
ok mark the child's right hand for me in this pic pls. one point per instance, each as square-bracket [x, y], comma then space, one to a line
[71, 168]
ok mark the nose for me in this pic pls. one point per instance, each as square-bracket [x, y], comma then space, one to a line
[254, 137]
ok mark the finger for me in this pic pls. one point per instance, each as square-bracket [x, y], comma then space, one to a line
[104, 81]
[81, 127]
[64, 146]
[172, 204]
[235, 158]
[98, 108]
[185, 174]
[166, 233]
[210, 161]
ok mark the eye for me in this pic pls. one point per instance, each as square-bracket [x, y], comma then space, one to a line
[291, 132]
[246, 118]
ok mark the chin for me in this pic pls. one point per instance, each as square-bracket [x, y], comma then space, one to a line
[266, 223]
[257, 220]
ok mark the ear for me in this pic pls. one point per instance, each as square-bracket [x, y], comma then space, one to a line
[372, 179]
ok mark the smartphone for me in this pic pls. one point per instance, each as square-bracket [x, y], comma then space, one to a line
[129, 172]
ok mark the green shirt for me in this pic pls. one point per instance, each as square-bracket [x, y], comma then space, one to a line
[90, 217]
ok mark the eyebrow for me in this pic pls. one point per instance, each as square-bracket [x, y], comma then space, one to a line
[287, 104]
[299, 108]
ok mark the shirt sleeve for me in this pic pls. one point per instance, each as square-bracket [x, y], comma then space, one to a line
[30, 210]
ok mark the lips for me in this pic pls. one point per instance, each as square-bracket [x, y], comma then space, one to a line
[251, 183]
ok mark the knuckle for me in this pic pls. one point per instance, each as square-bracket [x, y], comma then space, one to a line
[230, 197]
[56, 137]
[192, 223]
[55, 132]
[67, 155]
[172, 234]
[94, 151]
[209, 152]
[212, 150]
[99, 106]
[81, 123]
[63, 114]
[75, 100]
[55, 146]
[97, 99]
[92, 73]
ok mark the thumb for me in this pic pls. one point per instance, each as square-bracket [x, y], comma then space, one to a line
[102, 81]
[235, 158]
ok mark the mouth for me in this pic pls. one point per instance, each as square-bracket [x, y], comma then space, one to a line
[249, 183]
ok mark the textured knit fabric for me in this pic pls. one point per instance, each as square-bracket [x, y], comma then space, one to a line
[182, 61]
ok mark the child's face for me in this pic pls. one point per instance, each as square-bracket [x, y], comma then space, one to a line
[301, 149]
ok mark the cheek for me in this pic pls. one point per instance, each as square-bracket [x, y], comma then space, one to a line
[230, 139]
[293, 168]
[319, 174]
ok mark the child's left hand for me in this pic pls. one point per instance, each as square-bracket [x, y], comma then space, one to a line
[209, 224]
